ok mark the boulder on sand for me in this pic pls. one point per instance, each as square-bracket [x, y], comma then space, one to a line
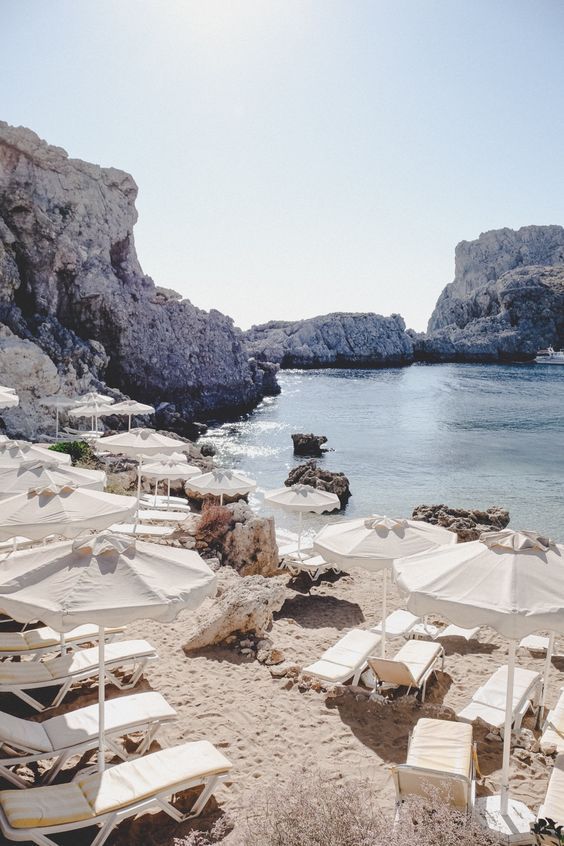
[325, 480]
[467, 523]
[244, 605]
[308, 444]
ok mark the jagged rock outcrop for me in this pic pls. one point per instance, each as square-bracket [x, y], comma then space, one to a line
[317, 477]
[242, 605]
[332, 340]
[506, 300]
[71, 283]
[467, 523]
[308, 444]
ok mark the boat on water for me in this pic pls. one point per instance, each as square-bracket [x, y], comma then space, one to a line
[550, 356]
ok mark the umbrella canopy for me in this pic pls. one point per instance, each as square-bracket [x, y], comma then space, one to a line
[21, 452]
[19, 478]
[140, 443]
[303, 499]
[59, 403]
[130, 407]
[169, 468]
[105, 579]
[510, 581]
[223, 483]
[376, 542]
[66, 511]
[94, 397]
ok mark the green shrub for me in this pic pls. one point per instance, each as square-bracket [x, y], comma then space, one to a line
[79, 451]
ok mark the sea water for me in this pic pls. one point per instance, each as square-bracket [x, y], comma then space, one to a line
[468, 435]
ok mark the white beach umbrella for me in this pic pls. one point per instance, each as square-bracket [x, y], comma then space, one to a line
[511, 581]
[94, 410]
[94, 397]
[140, 443]
[65, 510]
[222, 483]
[106, 580]
[375, 543]
[303, 499]
[128, 408]
[59, 403]
[20, 478]
[21, 452]
[169, 469]
[8, 397]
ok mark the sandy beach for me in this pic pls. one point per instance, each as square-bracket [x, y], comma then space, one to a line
[272, 733]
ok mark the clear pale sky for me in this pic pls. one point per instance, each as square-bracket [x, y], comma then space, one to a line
[295, 158]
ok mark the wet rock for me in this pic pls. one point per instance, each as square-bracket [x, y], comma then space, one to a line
[467, 523]
[325, 480]
[308, 444]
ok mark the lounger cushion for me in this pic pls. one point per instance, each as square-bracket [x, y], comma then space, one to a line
[553, 805]
[457, 631]
[78, 662]
[12, 641]
[45, 806]
[23, 734]
[121, 713]
[328, 671]
[339, 662]
[441, 745]
[398, 623]
[28, 672]
[46, 636]
[162, 771]
[488, 702]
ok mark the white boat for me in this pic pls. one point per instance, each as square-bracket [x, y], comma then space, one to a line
[550, 356]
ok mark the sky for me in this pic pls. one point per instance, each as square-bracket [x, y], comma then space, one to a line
[296, 157]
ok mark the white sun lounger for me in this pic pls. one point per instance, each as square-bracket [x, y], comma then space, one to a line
[411, 667]
[162, 502]
[553, 730]
[76, 732]
[553, 806]
[428, 631]
[74, 667]
[117, 793]
[488, 702]
[347, 659]
[535, 643]
[315, 566]
[398, 624]
[162, 516]
[440, 758]
[142, 530]
[37, 642]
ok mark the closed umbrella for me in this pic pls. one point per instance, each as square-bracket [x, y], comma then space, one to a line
[303, 499]
[374, 544]
[20, 452]
[130, 407]
[170, 469]
[18, 479]
[65, 510]
[510, 581]
[223, 483]
[106, 580]
[59, 403]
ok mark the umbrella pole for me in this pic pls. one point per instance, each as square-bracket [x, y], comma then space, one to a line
[168, 495]
[101, 697]
[547, 663]
[300, 526]
[129, 422]
[507, 729]
[57, 423]
[221, 499]
[384, 610]
[139, 489]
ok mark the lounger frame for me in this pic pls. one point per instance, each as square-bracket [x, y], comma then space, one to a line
[427, 772]
[139, 663]
[12, 756]
[160, 801]
[422, 683]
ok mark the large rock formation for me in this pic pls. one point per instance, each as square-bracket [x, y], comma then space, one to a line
[506, 300]
[333, 340]
[467, 523]
[71, 284]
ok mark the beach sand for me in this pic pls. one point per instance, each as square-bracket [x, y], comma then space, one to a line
[271, 733]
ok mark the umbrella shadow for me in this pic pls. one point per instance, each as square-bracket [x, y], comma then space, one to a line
[303, 584]
[461, 646]
[222, 654]
[316, 611]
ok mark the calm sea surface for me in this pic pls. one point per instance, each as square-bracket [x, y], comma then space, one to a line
[467, 435]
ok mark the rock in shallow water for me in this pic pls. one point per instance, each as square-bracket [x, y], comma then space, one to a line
[325, 480]
[308, 444]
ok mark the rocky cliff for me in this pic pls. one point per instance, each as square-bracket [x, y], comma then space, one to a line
[72, 288]
[333, 340]
[506, 300]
